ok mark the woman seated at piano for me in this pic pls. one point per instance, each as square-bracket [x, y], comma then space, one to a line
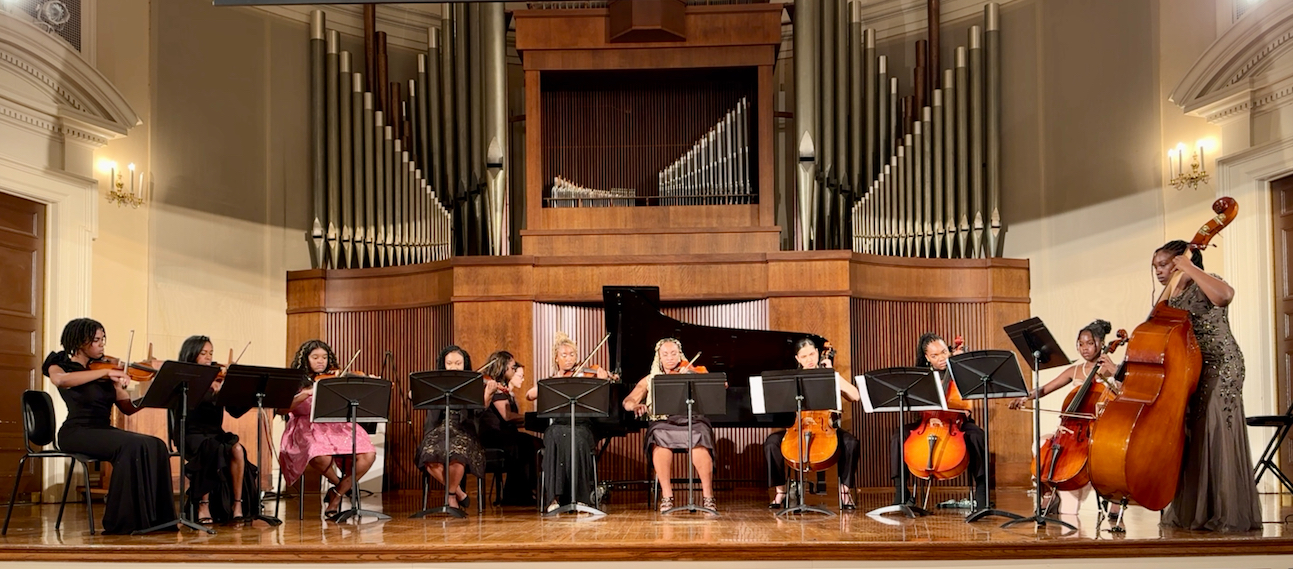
[324, 446]
[932, 352]
[668, 433]
[465, 452]
[500, 429]
[558, 438]
[808, 356]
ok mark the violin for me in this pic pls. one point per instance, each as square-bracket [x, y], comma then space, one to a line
[138, 371]
[590, 370]
[1138, 442]
[1067, 454]
[936, 448]
[812, 437]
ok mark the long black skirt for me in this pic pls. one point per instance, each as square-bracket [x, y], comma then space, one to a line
[557, 441]
[209, 474]
[139, 494]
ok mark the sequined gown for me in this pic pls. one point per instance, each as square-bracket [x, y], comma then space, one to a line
[1216, 490]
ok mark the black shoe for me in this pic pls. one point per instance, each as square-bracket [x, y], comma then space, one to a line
[775, 505]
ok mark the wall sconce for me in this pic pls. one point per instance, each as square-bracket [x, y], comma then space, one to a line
[117, 191]
[1181, 177]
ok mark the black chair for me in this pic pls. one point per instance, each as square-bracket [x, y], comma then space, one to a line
[496, 464]
[38, 429]
[598, 492]
[1282, 425]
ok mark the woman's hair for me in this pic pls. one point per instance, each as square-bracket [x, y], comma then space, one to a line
[561, 339]
[656, 367]
[804, 343]
[497, 364]
[1179, 247]
[78, 333]
[444, 353]
[1098, 329]
[925, 340]
[192, 347]
[302, 358]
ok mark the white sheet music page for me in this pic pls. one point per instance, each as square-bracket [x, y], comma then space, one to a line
[756, 394]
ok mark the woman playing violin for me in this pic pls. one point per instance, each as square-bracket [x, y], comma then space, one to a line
[808, 356]
[1216, 490]
[321, 445]
[499, 428]
[465, 452]
[558, 438]
[139, 494]
[222, 480]
[1090, 340]
[932, 352]
[669, 432]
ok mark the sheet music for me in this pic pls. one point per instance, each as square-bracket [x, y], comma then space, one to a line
[839, 403]
[756, 394]
[860, 381]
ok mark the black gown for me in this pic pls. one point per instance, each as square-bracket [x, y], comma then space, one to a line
[520, 451]
[208, 450]
[139, 493]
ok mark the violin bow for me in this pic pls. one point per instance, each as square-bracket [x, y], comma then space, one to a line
[591, 354]
[351, 362]
[691, 362]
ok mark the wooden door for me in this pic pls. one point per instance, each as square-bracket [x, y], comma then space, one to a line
[22, 302]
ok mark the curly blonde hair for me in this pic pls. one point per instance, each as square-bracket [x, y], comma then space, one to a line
[561, 339]
[656, 368]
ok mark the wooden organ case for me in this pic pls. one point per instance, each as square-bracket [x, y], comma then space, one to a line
[635, 146]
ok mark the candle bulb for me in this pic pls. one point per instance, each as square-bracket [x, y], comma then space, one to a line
[1171, 162]
[131, 167]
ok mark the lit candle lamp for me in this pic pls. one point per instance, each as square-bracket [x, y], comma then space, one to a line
[1171, 162]
[1180, 153]
[131, 167]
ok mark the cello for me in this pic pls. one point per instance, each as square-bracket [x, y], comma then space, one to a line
[1067, 454]
[814, 431]
[936, 448]
[1138, 442]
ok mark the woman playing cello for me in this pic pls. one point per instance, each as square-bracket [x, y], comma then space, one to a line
[1216, 490]
[667, 433]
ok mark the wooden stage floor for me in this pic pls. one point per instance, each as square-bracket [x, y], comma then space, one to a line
[745, 531]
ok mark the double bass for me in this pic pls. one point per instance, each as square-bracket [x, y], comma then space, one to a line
[1065, 458]
[936, 448]
[1138, 442]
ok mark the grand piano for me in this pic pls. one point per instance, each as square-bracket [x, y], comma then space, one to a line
[635, 323]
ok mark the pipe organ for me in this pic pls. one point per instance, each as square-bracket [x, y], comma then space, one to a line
[916, 175]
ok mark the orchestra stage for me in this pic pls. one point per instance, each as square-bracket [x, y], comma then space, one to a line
[745, 532]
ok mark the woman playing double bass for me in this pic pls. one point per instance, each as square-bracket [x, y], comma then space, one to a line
[808, 356]
[667, 433]
[1216, 490]
[932, 352]
[1090, 340]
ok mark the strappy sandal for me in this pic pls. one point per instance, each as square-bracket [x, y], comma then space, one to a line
[846, 501]
[332, 514]
[708, 502]
[779, 501]
[666, 503]
[207, 519]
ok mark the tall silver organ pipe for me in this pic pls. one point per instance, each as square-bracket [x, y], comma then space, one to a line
[934, 167]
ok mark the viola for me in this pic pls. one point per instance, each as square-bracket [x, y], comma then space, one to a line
[1066, 457]
[936, 448]
[1138, 442]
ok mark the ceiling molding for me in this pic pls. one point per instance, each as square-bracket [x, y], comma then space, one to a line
[1241, 67]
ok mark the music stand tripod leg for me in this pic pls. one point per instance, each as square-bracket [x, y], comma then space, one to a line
[691, 467]
[901, 508]
[355, 510]
[183, 519]
[1039, 517]
[800, 507]
[574, 505]
[259, 507]
[984, 510]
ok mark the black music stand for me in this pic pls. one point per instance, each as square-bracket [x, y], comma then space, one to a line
[444, 391]
[901, 389]
[998, 376]
[350, 399]
[574, 397]
[810, 390]
[1032, 337]
[694, 394]
[172, 384]
[253, 387]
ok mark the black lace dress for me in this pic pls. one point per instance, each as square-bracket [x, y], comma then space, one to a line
[139, 493]
[208, 449]
[1216, 490]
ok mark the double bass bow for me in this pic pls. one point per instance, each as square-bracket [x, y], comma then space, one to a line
[1069, 449]
[1138, 442]
[936, 448]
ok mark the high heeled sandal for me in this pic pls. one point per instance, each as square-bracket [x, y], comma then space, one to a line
[666, 503]
[778, 501]
[846, 501]
[708, 502]
[207, 519]
[331, 514]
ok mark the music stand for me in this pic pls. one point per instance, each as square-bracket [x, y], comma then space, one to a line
[810, 390]
[694, 394]
[254, 387]
[998, 375]
[172, 383]
[574, 397]
[901, 389]
[1033, 338]
[351, 399]
[443, 391]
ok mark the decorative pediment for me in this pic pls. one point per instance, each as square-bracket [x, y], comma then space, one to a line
[44, 84]
[1247, 69]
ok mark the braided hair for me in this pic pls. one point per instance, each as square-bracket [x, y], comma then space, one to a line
[192, 347]
[656, 367]
[79, 333]
[925, 340]
[302, 358]
[1178, 247]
